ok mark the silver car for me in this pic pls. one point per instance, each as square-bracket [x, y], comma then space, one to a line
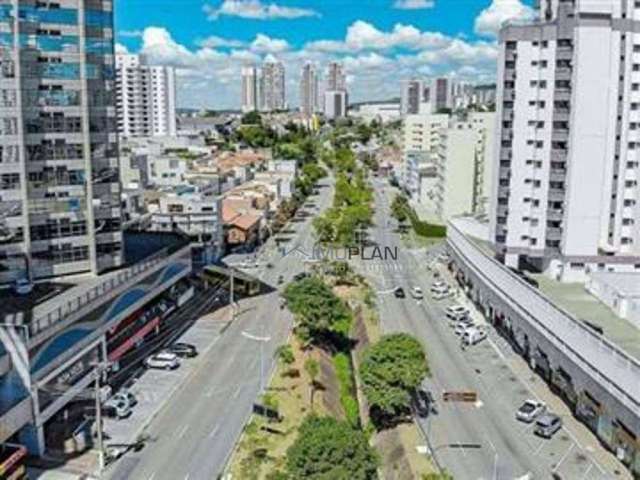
[530, 410]
[547, 425]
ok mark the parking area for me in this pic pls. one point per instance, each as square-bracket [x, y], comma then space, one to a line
[503, 378]
[153, 387]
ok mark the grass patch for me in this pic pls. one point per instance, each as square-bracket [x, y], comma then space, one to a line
[344, 372]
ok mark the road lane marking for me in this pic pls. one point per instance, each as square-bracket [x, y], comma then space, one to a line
[540, 447]
[152, 476]
[183, 431]
[564, 457]
[214, 431]
[587, 472]
[237, 392]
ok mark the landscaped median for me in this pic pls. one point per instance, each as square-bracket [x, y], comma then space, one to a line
[340, 398]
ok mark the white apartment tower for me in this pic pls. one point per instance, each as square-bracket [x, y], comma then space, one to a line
[412, 97]
[272, 83]
[146, 97]
[59, 183]
[309, 90]
[336, 78]
[568, 139]
[336, 103]
[249, 89]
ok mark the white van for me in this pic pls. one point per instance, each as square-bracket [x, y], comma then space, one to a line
[473, 336]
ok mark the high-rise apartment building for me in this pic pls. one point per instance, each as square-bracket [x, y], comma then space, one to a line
[145, 97]
[336, 78]
[272, 86]
[336, 103]
[440, 94]
[567, 171]
[249, 99]
[309, 90]
[412, 96]
[59, 184]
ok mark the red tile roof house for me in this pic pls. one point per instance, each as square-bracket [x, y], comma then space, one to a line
[242, 226]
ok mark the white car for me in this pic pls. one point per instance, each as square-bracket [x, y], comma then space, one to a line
[463, 327]
[456, 312]
[530, 410]
[22, 286]
[117, 407]
[439, 285]
[442, 294]
[473, 335]
[163, 361]
[416, 292]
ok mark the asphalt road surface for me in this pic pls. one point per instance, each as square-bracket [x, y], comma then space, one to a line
[194, 434]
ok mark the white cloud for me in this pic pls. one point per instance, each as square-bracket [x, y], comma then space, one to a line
[362, 35]
[256, 10]
[265, 44]
[120, 48]
[413, 4]
[214, 42]
[130, 33]
[491, 18]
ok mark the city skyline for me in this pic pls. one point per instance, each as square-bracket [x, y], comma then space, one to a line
[378, 44]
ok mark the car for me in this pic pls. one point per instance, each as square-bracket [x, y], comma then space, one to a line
[127, 396]
[164, 360]
[462, 327]
[22, 286]
[117, 407]
[530, 410]
[399, 292]
[184, 350]
[456, 312]
[439, 285]
[442, 294]
[547, 425]
[280, 279]
[422, 401]
[473, 335]
[416, 292]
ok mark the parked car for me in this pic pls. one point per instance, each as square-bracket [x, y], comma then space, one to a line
[442, 294]
[184, 350]
[421, 401]
[473, 335]
[456, 312]
[530, 410]
[462, 327]
[126, 395]
[163, 360]
[547, 425]
[399, 292]
[22, 286]
[116, 407]
[416, 292]
[439, 285]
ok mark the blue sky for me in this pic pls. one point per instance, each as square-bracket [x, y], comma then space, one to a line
[379, 41]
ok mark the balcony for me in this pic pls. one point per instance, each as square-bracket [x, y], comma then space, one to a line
[561, 114]
[563, 73]
[505, 173]
[562, 94]
[509, 95]
[558, 155]
[505, 154]
[564, 53]
[560, 135]
[556, 194]
[557, 175]
[555, 214]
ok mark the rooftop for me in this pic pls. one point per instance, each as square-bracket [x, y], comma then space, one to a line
[574, 298]
[626, 284]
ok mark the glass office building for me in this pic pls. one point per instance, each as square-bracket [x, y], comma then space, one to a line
[59, 183]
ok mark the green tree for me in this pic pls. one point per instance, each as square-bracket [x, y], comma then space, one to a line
[251, 118]
[320, 314]
[285, 354]
[391, 370]
[328, 449]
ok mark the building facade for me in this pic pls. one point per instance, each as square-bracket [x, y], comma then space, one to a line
[567, 191]
[145, 97]
[336, 77]
[60, 193]
[336, 104]
[309, 99]
[412, 96]
[272, 87]
[249, 89]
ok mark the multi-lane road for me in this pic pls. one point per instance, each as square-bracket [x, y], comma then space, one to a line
[194, 433]
[480, 440]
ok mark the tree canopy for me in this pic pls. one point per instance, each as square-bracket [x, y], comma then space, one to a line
[319, 312]
[391, 370]
[328, 449]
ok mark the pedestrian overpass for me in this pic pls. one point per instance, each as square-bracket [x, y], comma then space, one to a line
[221, 276]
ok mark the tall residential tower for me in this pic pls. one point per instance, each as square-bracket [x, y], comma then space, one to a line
[59, 184]
[308, 90]
[272, 83]
[146, 97]
[249, 89]
[566, 196]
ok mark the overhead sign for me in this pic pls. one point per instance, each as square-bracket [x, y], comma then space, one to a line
[470, 397]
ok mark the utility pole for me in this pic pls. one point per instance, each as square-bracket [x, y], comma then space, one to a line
[232, 295]
[99, 421]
